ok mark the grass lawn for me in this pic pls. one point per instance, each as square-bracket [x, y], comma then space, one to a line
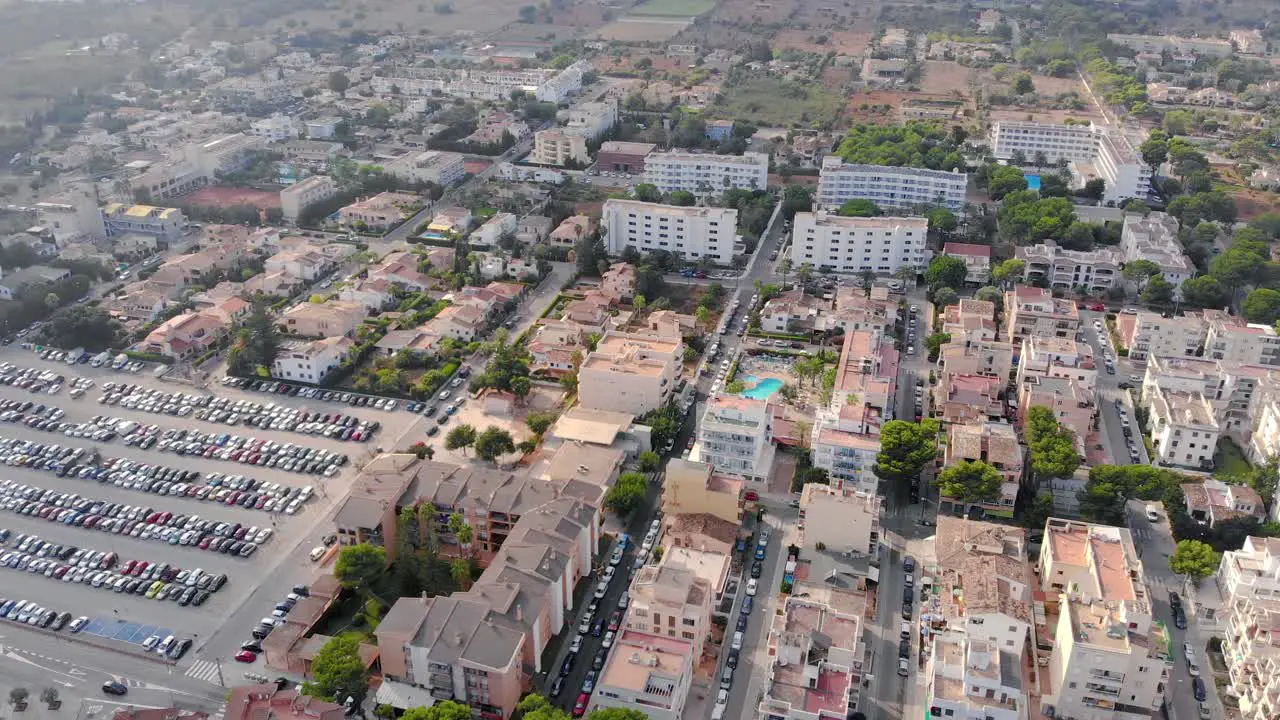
[774, 102]
[1229, 460]
[674, 8]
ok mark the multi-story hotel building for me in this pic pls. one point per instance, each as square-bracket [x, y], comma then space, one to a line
[1095, 270]
[882, 245]
[889, 186]
[690, 232]
[630, 373]
[705, 173]
[736, 435]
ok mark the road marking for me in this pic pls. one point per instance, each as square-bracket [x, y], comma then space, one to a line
[206, 670]
[19, 658]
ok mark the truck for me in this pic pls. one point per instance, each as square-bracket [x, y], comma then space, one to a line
[100, 359]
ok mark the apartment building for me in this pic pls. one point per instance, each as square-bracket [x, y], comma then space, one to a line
[736, 436]
[695, 488]
[970, 678]
[1211, 47]
[328, 319]
[303, 194]
[560, 147]
[1252, 655]
[970, 321]
[380, 212]
[313, 361]
[840, 519]
[275, 128]
[976, 357]
[846, 456]
[224, 155]
[265, 700]
[1119, 165]
[883, 245]
[167, 224]
[1230, 338]
[1252, 572]
[1072, 404]
[1096, 270]
[647, 674]
[72, 215]
[889, 187]
[1056, 142]
[630, 373]
[1035, 312]
[1184, 429]
[491, 84]
[846, 433]
[593, 119]
[1155, 238]
[1148, 334]
[690, 232]
[815, 654]
[1110, 658]
[794, 311]
[1052, 357]
[977, 260]
[995, 444]
[430, 166]
[706, 174]
[671, 600]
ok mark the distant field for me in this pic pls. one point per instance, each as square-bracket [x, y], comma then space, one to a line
[778, 103]
[674, 8]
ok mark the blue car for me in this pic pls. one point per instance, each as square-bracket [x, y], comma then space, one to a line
[759, 552]
[746, 605]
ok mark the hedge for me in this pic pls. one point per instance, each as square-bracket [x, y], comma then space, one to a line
[148, 357]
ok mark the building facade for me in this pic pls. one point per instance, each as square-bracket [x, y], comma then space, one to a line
[883, 245]
[706, 174]
[690, 232]
[889, 187]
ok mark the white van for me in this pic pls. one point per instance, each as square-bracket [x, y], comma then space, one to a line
[737, 641]
[317, 552]
[163, 647]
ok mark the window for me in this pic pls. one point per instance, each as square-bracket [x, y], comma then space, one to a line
[689, 622]
[686, 635]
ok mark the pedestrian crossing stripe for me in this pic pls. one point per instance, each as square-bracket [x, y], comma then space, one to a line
[206, 670]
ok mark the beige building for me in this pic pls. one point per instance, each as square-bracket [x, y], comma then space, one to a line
[328, 319]
[985, 582]
[995, 444]
[1230, 338]
[692, 488]
[560, 146]
[977, 260]
[977, 357]
[1249, 580]
[1110, 658]
[970, 320]
[815, 654]
[672, 600]
[1097, 270]
[301, 195]
[840, 520]
[646, 673]
[1148, 334]
[1034, 312]
[630, 373]
[1050, 357]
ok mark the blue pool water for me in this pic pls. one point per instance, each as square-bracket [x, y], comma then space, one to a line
[1033, 182]
[760, 389]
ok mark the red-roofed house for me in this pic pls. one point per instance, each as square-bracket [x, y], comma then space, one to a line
[968, 398]
[977, 260]
[187, 335]
[1214, 501]
[265, 702]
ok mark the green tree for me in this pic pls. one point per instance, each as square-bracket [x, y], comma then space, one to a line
[1022, 84]
[1141, 271]
[905, 449]
[650, 461]
[859, 207]
[1079, 236]
[338, 672]
[359, 565]
[1204, 292]
[796, 198]
[441, 710]
[1194, 559]
[944, 296]
[1262, 306]
[521, 387]
[970, 481]
[1008, 272]
[683, 198]
[934, 342]
[1005, 179]
[536, 707]
[1158, 291]
[616, 713]
[493, 442]
[461, 437]
[946, 271]
[1052, 446]
[1025, 217]
[1094, 189]
[1110, 486]
[339, 82]
[648, 192]
[990, 294]
[539, 422]
[627, 493]
[1155, 149]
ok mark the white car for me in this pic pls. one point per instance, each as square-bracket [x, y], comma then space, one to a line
[752, 586]
[601, 589]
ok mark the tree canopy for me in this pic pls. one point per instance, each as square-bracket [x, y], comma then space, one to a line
[859, 207]
[1009, 271]
[914, 144]
[460, 437]
[627, 493]
[970, 481]
[359, 565]
[1026, 218]
[338, 672]
[1053, 446]
[946, 271]
[905, 449]
[1195, 559]
[1110, 486]
[493, 442]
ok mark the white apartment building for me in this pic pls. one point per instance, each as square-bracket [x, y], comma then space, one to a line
[690, 232]
[883, 245]
[846, 456]
[1119, 164]
[1212, 47]
[224, 155]
[1252, 572]
[646, 673]
[973, 679]
[1238, 394]
[1057, 142]
[1111, 660]
[736, 436]
[889, 187]
[73, 214]
[1155, 238]
[322, 127]
[846, 433]
[305, 193]
[630, 373]
[814, 658]
[593, 119]
[1096, 270]
[984, 582]
[977, 260]
[1230, 338]
[313, 361]
[1057, 357]
[492, 84]
[1147, 334]
[560, 146]
[431, 166]
[162, 223]
[1184, 429]
[1035, 312]
[1252, 654]
[277, 128]
[843, 520]
[705, 173]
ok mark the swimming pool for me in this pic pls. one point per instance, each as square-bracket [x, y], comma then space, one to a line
[758, 389]
[1033, 182]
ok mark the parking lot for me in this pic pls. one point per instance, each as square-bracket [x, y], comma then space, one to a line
[159, 508]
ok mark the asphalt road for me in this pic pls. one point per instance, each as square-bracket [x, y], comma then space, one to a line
[1108, 392]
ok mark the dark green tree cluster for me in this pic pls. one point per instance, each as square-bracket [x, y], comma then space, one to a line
[970, 481]
[1110, 486]
[1053, 446]
[1027, 219]
[508, 363]
[627, 493]
[257, 342]
[914, 144]
[338, 672]
[905, 449]
[83, 326]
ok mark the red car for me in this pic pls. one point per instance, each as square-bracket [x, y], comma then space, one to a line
[751, 496]
[246, 656]
[1098, 307]
[580, 707]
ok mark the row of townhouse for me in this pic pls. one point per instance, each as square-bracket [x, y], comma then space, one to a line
[1154, 238]
[986, 607]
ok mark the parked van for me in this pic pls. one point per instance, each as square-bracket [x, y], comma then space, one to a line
[737, 641]
[726, 678]
[100, 359]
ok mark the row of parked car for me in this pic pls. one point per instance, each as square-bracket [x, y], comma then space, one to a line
[251, 648]
[283, 388]
[28, 612]
[134, 521]
[217, 409]
[33, 380]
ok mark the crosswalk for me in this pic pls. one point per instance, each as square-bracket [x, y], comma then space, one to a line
[206, 670]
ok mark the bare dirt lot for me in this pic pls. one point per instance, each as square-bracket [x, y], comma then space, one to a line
[842, 42]
[223, 196]
[1049, 86]
[947, 78]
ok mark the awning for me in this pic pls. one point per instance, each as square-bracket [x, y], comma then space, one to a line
[402, 696]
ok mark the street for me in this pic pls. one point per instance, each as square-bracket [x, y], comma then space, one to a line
[1110, 396]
